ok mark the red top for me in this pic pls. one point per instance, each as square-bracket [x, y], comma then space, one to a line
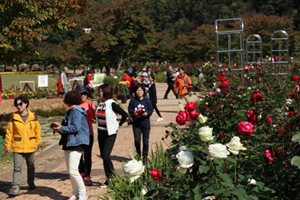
[88, 79]
[127, 78]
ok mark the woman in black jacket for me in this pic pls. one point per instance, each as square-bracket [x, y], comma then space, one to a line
[153, 97]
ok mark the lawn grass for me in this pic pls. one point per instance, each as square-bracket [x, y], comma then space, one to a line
[9, 80]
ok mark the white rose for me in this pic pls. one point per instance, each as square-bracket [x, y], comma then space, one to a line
[296, 161]
[144, 191]
[209, 198]
[205, 133]
[202, 119]
[181, 170]
[133, 169]
[218, 151]
[235, 145]
[252, 181]
[185, 159]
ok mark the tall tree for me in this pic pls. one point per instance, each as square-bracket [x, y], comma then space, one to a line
[120, 28]
[26, 22]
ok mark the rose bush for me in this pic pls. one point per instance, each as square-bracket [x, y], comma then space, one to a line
[218, 151]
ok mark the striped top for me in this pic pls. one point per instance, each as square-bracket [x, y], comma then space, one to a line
[101, 120]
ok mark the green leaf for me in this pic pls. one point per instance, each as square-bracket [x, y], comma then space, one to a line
[203, 169]
[226, 178]
[240, 193]
[198, 197]
[231, 159]
[241, 113]
[228, 185]
[220, 191]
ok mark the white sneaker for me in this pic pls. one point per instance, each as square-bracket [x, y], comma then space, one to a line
[159, 119]
[83, 197]
[73, 197]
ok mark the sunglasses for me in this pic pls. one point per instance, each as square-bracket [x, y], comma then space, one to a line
[19, 104]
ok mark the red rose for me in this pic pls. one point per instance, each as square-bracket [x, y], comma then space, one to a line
[291, 114]
[269, 156]
[256, 96]
[269, 119]
[205, 107]
[222, 73]
[252, 116]
[260, 79]
[262, 63]
[250, 80]
[276, 58]
[155, 174]
[246, 128]
[190, 106]
[295, 78]
[224, 84]
[181, 118]
[293, 95]
[221, 78]
[194, 114]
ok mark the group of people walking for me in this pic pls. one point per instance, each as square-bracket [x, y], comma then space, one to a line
[23, 134]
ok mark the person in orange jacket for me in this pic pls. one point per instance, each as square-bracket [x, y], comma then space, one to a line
[182, 87]
[23, 135]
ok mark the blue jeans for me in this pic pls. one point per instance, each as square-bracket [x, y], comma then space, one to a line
[137, 131]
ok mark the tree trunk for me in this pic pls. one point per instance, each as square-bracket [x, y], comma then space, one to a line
[18, 67]
[119, 63]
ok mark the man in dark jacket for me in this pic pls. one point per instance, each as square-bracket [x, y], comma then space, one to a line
[170, 82]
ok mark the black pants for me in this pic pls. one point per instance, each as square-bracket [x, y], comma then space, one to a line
[137, 131]
[156, 109]
[85, 164]
[106, 144]
[170, 87]
[90, 94]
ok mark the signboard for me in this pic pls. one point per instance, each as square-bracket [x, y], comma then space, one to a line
[43, 81]
[27, 86]
[75, 82]
[99, 78]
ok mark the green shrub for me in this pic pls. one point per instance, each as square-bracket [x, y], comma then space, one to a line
[111, 81]
[61, 111]
[161, 77]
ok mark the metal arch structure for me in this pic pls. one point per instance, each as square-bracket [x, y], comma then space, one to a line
[279, 62]
[229, 50]
[254, 52]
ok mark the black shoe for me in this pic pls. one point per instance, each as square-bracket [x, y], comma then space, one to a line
[31, 186]
[165, 98]
[14, 192]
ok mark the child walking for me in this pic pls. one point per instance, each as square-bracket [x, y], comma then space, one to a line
[153, 97]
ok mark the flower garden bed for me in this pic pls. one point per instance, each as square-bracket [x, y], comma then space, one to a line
[242, 142]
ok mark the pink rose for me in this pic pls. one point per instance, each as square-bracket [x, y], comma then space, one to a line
[194, 114]
[218, 90]
[246, 128]
[181, 118]
[269, 156]
[211, 93]
[246, 68]
[155, 174]
[190, 106]
[256, 96]
[260, 79]
[269, 119]
[252, 116]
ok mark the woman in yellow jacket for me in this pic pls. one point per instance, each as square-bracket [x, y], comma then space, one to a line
[23, 135]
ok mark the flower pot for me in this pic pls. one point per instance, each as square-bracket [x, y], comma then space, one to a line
[124, 99]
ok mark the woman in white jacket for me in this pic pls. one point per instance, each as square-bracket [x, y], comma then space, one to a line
[106, 115]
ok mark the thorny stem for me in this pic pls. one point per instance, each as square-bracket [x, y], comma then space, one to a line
[235, 170]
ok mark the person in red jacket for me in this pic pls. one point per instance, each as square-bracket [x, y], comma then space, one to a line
[60, 90]
[127, 78]
[183, 87]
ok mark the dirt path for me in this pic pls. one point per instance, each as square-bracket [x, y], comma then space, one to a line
[52, 179]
